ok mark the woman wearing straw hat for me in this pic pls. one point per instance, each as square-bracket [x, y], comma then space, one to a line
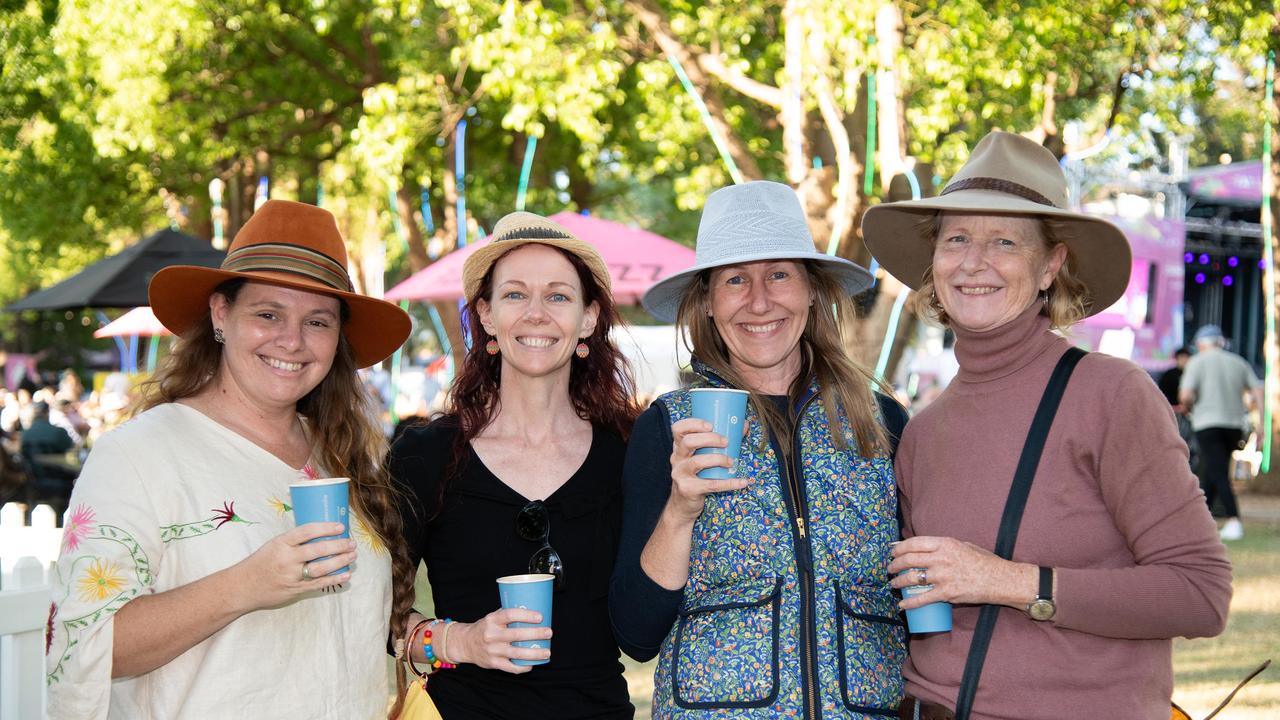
[1116, 553]
[522, 475]
[184, 589]
[765, 595]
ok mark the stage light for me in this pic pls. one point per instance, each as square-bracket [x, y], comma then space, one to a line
[1233, 261]
[1188, 258]
[1204, 259]
[1226, 280]
[1199, 278]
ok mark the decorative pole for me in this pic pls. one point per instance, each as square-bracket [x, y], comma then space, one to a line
[1270, 352]
[530, 147]
[216, 187]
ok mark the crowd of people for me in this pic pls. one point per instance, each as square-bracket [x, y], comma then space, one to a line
[185, 589]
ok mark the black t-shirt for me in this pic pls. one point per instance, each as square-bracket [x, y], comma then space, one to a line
[1168, 384]
[471, 540]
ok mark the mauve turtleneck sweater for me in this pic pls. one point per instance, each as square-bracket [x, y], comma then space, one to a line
[1114, 508]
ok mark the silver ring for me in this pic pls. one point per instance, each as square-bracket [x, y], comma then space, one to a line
[924, 576]
[306, 571]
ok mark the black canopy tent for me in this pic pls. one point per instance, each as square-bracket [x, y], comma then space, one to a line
[120, 281]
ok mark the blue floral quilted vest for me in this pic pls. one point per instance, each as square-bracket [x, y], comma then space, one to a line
[788, 610]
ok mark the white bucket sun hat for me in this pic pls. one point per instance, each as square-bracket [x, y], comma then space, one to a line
[759, 220]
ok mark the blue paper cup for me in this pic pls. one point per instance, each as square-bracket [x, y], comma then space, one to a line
[528, 592]
[323, 500]
[726, 410]
[934, 617]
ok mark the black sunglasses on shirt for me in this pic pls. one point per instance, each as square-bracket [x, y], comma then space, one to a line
[533, 523]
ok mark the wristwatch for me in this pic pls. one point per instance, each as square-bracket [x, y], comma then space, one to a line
[1043, 607]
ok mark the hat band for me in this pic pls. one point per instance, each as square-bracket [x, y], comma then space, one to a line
[288, 258]
[1004, 186]
[534, 233]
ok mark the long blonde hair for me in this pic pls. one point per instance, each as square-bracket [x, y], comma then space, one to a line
[844, 386]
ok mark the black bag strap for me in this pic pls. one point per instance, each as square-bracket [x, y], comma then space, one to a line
[1012, 518]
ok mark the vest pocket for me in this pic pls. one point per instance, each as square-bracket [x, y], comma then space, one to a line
[726, 647]
[871, 643]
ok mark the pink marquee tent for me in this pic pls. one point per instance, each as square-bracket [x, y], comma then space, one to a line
[636, 259]
[138, 321]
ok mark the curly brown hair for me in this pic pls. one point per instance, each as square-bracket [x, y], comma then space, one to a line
[345, 438]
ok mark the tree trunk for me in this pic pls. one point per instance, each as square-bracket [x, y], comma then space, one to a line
[650, 15]
[1269, 482]
[406, 207]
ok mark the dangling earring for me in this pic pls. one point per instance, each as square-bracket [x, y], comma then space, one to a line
[491, 347]
[582, 351]
[1044, 296]
[218, 337]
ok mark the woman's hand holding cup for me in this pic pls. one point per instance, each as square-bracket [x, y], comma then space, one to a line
[488, 641]
[688, 490]
[289, 565]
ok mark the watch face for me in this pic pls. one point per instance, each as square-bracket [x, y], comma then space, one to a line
[1042, 609]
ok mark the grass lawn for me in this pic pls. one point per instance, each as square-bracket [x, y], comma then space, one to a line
[1204, 670]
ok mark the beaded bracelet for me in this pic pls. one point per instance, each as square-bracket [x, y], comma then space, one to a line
[427, 650]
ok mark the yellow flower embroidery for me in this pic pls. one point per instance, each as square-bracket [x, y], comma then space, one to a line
[368, 537]
[101, 581]
[278, 505]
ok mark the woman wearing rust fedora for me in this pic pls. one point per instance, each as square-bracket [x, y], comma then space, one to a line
[1075, 547]
[522, 476]
[183, 589]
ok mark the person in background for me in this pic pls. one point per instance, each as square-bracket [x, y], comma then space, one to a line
[523, 475]
[765, 595]
[1169, 379]
[1116, 554]
[184, 589]
[1213, 389]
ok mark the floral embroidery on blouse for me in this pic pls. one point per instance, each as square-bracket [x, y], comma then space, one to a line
[100, 581]
[102, 584]
[364, 535]
[79, 524]
[221, 516]
[279, 506]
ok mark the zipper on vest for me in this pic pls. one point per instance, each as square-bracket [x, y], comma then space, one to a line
[804, 564]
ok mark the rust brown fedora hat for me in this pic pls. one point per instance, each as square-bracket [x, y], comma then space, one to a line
[292, 245]
[1006, 174]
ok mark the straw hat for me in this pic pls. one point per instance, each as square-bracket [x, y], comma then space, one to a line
[522, 228]
[291, 245]
[1005, 174]
[759, 220]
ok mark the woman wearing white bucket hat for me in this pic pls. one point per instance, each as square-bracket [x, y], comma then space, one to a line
[1116, 553]
[725, 578]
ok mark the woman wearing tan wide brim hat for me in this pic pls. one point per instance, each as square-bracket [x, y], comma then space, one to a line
[182, 566]
[1116, 552]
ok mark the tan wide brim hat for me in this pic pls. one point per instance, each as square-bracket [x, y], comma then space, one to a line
[1006, 174]
[522, 228]
[292, 245]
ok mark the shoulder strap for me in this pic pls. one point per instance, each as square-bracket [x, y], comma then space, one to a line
[1012, 518]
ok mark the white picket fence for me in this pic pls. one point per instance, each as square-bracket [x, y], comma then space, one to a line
[27, 553]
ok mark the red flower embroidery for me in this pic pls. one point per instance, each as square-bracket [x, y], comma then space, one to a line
[226, 514]
[48, 628]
